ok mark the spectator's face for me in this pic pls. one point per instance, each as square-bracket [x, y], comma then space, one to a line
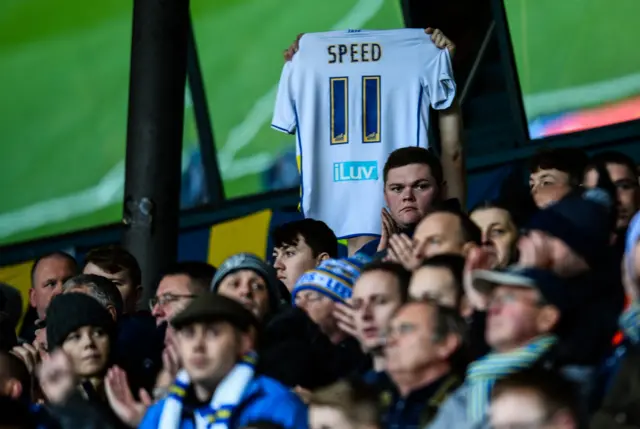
[291, 261]
[376, 296]
[48, 278]
[498, 232]
[548, 186]
[248, 288]
[208, 351]
[172, 296]
[410, 341]
[516, 316]
[628, 192]
[323, 417]
[435, 283]
[439, 233]
[122, 280]
[319, 308]
[410, 192]
[88, 348]
[521, 408]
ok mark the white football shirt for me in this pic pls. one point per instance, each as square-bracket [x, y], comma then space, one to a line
[353, 97]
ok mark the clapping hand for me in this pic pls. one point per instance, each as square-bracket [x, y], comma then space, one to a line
[57, 378]
[122, 401]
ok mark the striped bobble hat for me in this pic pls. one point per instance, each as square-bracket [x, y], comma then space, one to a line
[333, 278]
[348, 267]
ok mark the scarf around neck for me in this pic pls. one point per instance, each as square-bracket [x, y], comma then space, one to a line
[483, 373]
[217, 414]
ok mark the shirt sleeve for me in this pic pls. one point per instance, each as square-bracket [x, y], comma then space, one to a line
[440, 85]
[284, 116]
[287, 411]
[152, 416]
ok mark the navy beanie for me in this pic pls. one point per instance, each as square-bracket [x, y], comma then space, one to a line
[583, 222]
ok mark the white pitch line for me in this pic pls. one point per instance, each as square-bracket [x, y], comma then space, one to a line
[242, 134]
[107, 192]
[575, 97]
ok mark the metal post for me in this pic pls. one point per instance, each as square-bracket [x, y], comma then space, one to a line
[215, 188]
[154, 135]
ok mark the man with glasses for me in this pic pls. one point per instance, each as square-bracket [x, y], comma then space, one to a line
[178, 287]
[423, 344]
[525, 309]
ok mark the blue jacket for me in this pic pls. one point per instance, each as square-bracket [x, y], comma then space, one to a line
[264, 399]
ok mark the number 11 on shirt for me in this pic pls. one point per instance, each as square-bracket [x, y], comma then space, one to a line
[339, 109]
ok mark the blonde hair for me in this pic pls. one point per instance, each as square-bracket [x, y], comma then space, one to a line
[356, 400]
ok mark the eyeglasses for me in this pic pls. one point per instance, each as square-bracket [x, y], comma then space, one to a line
[165, 299]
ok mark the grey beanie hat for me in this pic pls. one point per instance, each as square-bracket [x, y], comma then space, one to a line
[249, 261]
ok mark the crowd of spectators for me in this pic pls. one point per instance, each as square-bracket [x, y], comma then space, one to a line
[504, 316]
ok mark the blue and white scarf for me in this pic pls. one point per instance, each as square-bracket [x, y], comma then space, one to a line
[225, 399]
[483, 373]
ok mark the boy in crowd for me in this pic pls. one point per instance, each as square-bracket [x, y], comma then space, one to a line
[555, 173]
[300, 246]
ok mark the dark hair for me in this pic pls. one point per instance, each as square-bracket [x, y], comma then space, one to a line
[612, 157]
[566, 159]
[470, 231]
[8, 337]
[12, 366]
[452, 263]
[57, 254]
[555, 392]
[448, 321]
[101, 288]
[115, 259]
[518, 217]
[414, 155]
[357, 400]
[396, 270]
[318, 236]
[200, 273]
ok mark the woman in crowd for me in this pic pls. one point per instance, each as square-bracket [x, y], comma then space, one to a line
[499, 230]
[80, 335]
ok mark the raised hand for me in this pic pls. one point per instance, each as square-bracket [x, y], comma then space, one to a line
[345, 317]
[29, 355]
[122, 401]
[401, 251]
[535, 251]
[389, 228]
[57, 379]
[479, 258]
[291, 50]
[441, 41]
[170, 362]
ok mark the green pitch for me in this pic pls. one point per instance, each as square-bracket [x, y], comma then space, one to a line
[574, 43]
[64, 80]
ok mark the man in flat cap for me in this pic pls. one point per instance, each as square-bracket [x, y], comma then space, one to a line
[217, 386]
